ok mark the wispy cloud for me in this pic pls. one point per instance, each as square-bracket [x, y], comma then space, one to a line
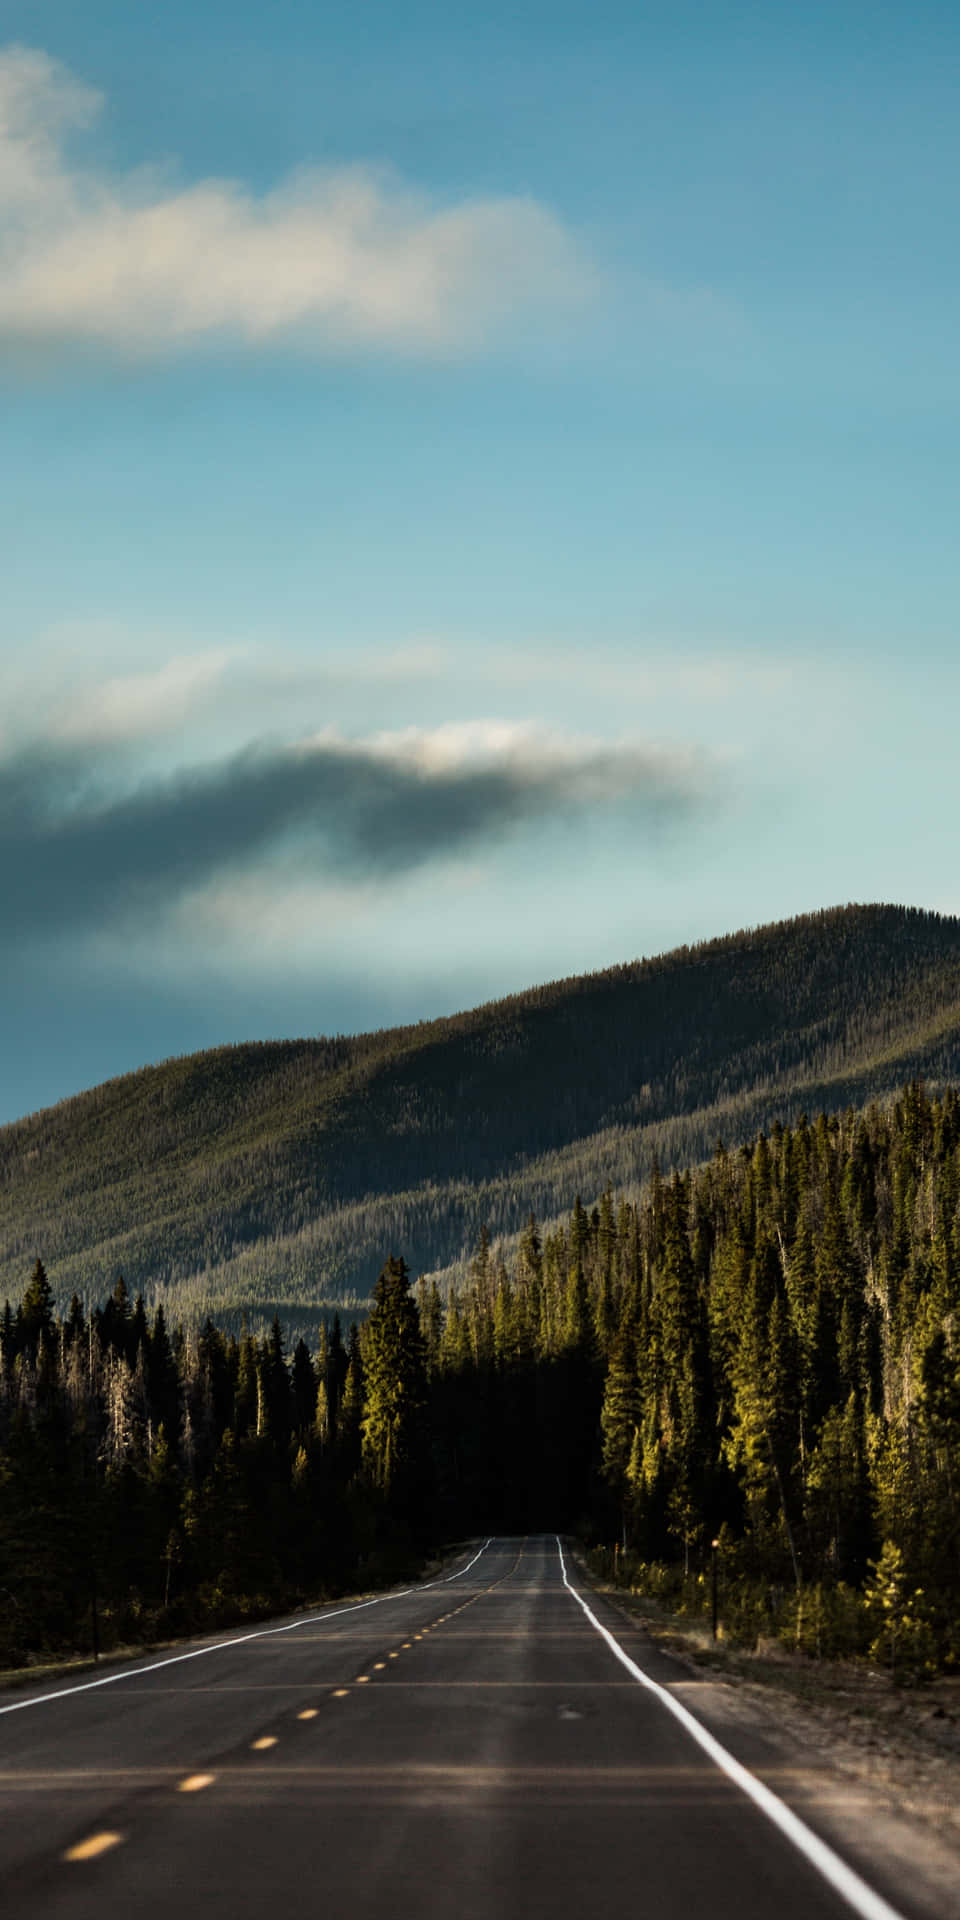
[343, 256]
[134, 706]
[654, 671]
[234, 683]
[78, 853]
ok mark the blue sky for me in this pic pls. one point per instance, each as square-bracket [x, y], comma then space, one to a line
[479, 501]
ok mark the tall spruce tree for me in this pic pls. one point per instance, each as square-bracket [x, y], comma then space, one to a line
[395, 1383]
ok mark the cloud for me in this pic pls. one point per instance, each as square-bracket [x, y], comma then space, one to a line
[78, 854]
[223, 685]
[653, 673]
[132, 706]
[330, 258]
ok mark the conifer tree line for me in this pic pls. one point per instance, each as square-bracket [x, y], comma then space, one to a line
[763, 1351]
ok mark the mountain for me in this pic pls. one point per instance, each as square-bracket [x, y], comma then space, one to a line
[279, 1175]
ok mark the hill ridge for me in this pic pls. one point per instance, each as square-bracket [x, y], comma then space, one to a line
[284, 1171]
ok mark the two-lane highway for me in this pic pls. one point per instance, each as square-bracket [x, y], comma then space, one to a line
[475, 1747]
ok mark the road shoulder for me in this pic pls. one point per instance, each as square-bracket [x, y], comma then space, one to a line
[874, 1770]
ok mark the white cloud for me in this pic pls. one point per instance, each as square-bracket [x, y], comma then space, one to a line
[329, 258]
[140, 705]
[530, 753]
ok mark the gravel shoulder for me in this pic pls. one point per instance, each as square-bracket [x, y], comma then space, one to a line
[874, 1766]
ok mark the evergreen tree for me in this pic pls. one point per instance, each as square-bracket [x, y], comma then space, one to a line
[304, 1389]
[36, 1308]
[620, 1420]
[349, 1429]
[395, 1385]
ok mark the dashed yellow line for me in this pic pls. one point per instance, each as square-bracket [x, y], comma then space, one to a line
[379, 1666]
[99, 1843]
[91, 1848]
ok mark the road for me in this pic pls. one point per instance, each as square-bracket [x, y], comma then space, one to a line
[471, 1748]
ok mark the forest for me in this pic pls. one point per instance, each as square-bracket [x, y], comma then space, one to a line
[762, 1351]
[272, 1178]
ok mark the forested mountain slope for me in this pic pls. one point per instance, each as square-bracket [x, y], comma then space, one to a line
[278, 1175]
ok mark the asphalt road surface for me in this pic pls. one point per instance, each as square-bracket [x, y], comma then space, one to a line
[473, 1749]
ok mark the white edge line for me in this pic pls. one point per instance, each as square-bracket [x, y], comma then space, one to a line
[861, 1897]
[239, 1640]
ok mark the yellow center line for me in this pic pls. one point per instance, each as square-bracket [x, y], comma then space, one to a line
[361, 1679]
[195, 1782]
[266, 1740]
[378, 1666]
[90, 1849]
[307, 1713]
[340, 1693]
[393, 1656]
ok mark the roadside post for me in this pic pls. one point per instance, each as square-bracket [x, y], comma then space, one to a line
[714, 1544]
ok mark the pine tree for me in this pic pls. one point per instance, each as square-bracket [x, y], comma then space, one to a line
[36, 1307]
[163, 1379]
[620, 1418]
[395, 1382]
[115, 1322]
[350, 1424]
[275, 1387]
[304, 1389]
[430, 1307]
[247, 1400]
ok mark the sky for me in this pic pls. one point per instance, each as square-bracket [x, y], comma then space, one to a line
[478, 501]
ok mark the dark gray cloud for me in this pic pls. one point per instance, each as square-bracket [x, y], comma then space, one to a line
[75, 853]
